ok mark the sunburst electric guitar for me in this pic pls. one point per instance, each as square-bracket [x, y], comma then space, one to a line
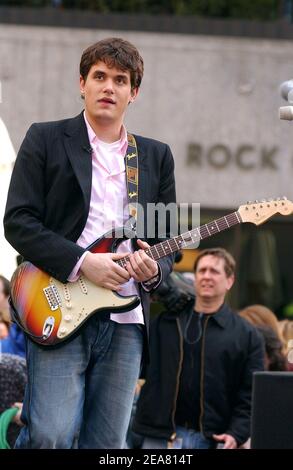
[50, 312]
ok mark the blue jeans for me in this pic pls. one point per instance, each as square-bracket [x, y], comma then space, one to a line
[81, 394]
[192, 439]
[185, 439]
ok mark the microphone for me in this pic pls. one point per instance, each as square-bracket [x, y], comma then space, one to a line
[87, 149]
[286, 91]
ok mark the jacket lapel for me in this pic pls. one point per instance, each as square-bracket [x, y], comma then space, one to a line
[78, 149]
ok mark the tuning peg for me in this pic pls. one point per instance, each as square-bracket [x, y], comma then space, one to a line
[284, 198]
[256, 201]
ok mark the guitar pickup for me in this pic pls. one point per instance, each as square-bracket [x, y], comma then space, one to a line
[53, 297]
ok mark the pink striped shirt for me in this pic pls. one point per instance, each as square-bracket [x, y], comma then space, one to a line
[108, 208]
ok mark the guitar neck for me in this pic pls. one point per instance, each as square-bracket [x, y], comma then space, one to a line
[171, 245]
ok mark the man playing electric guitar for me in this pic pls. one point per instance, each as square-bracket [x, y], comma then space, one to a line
[68, 186]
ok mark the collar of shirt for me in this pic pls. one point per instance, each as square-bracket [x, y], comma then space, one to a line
[112, 164]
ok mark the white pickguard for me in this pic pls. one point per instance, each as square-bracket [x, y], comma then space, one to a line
[79, 303]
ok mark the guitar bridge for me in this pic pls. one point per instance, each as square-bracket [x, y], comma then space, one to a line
[53, 297]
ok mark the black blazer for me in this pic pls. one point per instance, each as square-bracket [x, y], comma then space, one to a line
[49, 195]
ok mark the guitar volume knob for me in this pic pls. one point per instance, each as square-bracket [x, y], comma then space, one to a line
[68, 318]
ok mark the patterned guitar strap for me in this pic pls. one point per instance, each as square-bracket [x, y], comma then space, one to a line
[131, 166]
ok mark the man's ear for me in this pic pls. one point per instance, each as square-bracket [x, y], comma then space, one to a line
[230, 281]
[133, 93]
[81, 86]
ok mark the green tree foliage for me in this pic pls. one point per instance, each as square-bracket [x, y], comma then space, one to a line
[248, 9]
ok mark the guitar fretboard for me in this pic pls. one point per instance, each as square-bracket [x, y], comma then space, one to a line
[186, 239]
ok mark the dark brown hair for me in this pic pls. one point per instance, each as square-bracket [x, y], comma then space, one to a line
[6, 285]
[274, 349]
[115, 52]
[229, 261]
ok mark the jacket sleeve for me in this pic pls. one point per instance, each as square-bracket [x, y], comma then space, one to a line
[241, 417]
[25, 212]
[166, 196]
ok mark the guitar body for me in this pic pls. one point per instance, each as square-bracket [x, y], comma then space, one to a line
[50, 311]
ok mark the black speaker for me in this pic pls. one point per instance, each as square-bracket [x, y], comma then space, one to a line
[272, 410]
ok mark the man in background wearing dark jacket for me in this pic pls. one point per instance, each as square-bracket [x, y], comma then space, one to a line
[198, 386]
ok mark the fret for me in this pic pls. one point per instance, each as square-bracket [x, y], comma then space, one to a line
[238, 218]
[177, 244]
[161, 250]
[204, 232]
[197, 234]
[188, 238]
[212, 227]
[166, 247]
[228, 225]
[155, 247]
[222, 224]
[233, 220]
[217, 226]
[183, 243]
[151, 253]
[168, 243]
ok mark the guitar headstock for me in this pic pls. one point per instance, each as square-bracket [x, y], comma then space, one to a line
[259, 211]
